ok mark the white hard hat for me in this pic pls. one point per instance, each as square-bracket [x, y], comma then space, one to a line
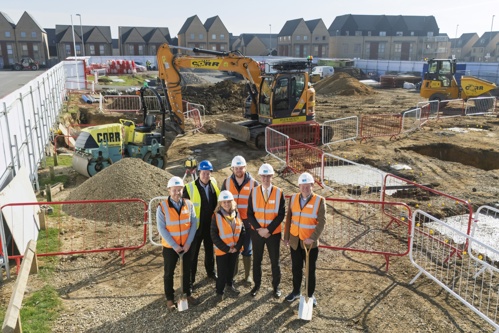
[266, 169]
[225, 196]
[175, 181]
[238, 161]
[305, 178]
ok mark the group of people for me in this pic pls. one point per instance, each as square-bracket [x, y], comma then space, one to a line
[239, 219]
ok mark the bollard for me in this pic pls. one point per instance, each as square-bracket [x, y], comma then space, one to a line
[52, 173]
[49, 193]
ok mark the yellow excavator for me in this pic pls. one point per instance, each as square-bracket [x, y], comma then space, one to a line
[439, 83]
[283, 96]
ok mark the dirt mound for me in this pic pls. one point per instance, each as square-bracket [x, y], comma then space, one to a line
[128, 178]
[342, 84]
[222, 97]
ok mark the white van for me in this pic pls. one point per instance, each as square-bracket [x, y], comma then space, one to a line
[323, 71]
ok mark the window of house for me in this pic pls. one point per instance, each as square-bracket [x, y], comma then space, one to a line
[222, 36]
[316, 51]
[297, 37]
[382, 33]
[23, 34]
[0, 50]
[102, 50]
[201, 36]
[36, 53]
[141, 49]
[78, 49]
[381, 48]
[399, 33]
[214, 36]
[131, 49]
[289, 38]
[214, 47]
[369, 33]
[397, 47]
[92, 49]
[297, 50]
[305, 37]
[153, 49]
[24, 50]
[344, 48]
[305, 50]
[323, 37]
[192, 37]
[68, 49]
[358, 33]
[33, 34]
[222, 47]
[7, 34]
[347, 33]
[356, 49]
[368, 48]
[429, 34]
[412, 33]
[316, 38]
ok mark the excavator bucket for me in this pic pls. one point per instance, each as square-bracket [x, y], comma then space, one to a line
[235, 131]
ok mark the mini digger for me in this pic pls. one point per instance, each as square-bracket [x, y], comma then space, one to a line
[99, 146]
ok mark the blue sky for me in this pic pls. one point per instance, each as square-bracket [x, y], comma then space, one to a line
[251, 16]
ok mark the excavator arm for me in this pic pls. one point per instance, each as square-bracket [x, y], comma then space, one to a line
[169, 65]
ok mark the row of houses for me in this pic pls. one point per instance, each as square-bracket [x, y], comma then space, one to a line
[383, 37]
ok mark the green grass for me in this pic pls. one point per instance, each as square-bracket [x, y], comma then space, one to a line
[57, 179]
[62, 160]
[40, 310]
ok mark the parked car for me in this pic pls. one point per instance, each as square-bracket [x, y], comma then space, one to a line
[26, 63]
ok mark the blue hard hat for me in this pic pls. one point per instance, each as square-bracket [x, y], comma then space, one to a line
[205, 165]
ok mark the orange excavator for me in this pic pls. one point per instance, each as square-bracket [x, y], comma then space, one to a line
[280, 97]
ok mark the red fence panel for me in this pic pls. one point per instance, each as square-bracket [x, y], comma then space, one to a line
[302, 157]
[380, 125]
[308, 132]
[74, 227]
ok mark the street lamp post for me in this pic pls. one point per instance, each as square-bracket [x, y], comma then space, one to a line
[74, 47]
[270, 39]
[81, 32]
[457, 26]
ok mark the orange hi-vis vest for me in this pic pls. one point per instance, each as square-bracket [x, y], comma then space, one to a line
[225, 232]
[304, 220]
[266, 212]
[241, 197]
[178, 225]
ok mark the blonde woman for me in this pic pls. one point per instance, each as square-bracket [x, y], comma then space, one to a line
[227, 232]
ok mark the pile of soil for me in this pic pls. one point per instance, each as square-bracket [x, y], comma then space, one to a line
[223, 97]
[342, 84]
[129, 178]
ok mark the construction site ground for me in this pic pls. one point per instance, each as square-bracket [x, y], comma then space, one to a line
[354, 292]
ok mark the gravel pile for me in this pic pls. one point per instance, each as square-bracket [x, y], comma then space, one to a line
[129, 178]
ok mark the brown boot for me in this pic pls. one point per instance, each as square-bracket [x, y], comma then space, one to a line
[236, 268]
[247, 270]
[170, 305]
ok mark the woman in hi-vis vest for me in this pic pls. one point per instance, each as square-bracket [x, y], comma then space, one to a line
[227, 232]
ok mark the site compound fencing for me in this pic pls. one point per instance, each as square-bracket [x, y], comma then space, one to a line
[485, 224]
[446, 259]
[308, 132]
[119, 103]
[340, 130]
[379, 125]
[363, 226]
[76, 227]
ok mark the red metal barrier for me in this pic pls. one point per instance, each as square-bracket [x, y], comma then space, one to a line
[380, 125]
[301, 157]
[308, 132]
[75, 227]
[363, 226]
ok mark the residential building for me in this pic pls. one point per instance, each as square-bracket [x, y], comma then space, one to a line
[387, 37]
[256, 44]
[142, 41]
[300, 38]
[96, 40]
[484, 49]
[461, 47]
[24, 39]
[212, 35]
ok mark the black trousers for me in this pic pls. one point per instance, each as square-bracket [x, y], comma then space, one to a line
[226, 265]
[273, 243]
[170, 257]
[202, 237]
[297, 262]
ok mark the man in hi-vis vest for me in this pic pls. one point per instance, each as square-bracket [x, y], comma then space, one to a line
[305, 222]
[240, 184]
[266, 210]
[176, 221]
[203, 192]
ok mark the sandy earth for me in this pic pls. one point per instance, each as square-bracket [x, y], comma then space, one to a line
[354, 291]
